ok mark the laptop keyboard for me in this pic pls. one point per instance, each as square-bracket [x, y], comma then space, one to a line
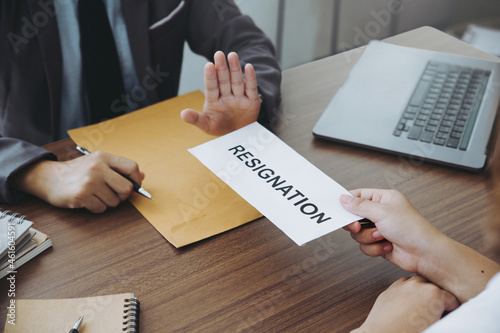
[444, 105]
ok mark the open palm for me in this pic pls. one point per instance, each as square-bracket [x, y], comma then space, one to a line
[231, 99]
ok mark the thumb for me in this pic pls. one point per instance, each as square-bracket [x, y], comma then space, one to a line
[362, 207]
[193, 117]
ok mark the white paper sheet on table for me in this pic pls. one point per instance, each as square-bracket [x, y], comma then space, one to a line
[290, 191]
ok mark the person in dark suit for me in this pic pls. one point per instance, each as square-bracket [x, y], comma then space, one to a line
[69, 63]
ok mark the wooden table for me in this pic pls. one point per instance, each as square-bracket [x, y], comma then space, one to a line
[253, 278]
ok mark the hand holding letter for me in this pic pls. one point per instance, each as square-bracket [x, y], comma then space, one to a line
[405, 238]
[402, 235]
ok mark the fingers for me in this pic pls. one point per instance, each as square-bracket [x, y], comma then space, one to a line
[125, 167]
[375, 195]
[237, 80]
[95, 205]
[223, 76]
[367, 202]
[371, 241]
[434, 292]
[94, 182]
[367, 236]
[403, 280]
[105, 184]
[353, 227]
[231, 99]
[211, 85]
[361, 206]
[251, 89]
[450, 301]
[223, 81]
[363, 193]
[376, 249]
[119, 189]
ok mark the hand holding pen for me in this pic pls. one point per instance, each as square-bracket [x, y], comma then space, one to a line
[94, 182]
[137, 187]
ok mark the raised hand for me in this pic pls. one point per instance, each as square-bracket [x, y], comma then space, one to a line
[231, 100]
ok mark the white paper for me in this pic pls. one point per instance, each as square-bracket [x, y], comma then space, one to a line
[486, 39]
[290, 191]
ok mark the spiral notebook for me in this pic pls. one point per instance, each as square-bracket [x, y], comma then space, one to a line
[13, 228]
[101, 314]
[29, 242]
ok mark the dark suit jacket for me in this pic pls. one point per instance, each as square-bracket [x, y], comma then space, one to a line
[31, 64]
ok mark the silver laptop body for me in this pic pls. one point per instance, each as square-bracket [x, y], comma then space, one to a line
[371, 108]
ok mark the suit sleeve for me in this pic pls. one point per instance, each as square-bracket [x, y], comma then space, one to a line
[219, 25]
[15, 155]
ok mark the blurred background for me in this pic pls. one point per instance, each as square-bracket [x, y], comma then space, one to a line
[307, 30]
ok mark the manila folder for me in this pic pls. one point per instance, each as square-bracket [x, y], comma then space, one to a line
[189, 202]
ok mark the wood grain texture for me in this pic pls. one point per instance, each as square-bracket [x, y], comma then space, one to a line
[253, 278]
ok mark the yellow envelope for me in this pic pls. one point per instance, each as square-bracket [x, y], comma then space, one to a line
[190, 202]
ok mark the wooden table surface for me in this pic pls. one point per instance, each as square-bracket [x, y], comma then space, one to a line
[254, 278]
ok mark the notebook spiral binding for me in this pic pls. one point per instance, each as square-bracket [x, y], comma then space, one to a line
[12, 216]
[132, 312]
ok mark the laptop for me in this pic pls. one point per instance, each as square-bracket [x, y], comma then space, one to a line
[423, 104]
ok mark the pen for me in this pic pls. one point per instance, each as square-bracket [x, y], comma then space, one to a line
[137, 188]
[77, 325]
